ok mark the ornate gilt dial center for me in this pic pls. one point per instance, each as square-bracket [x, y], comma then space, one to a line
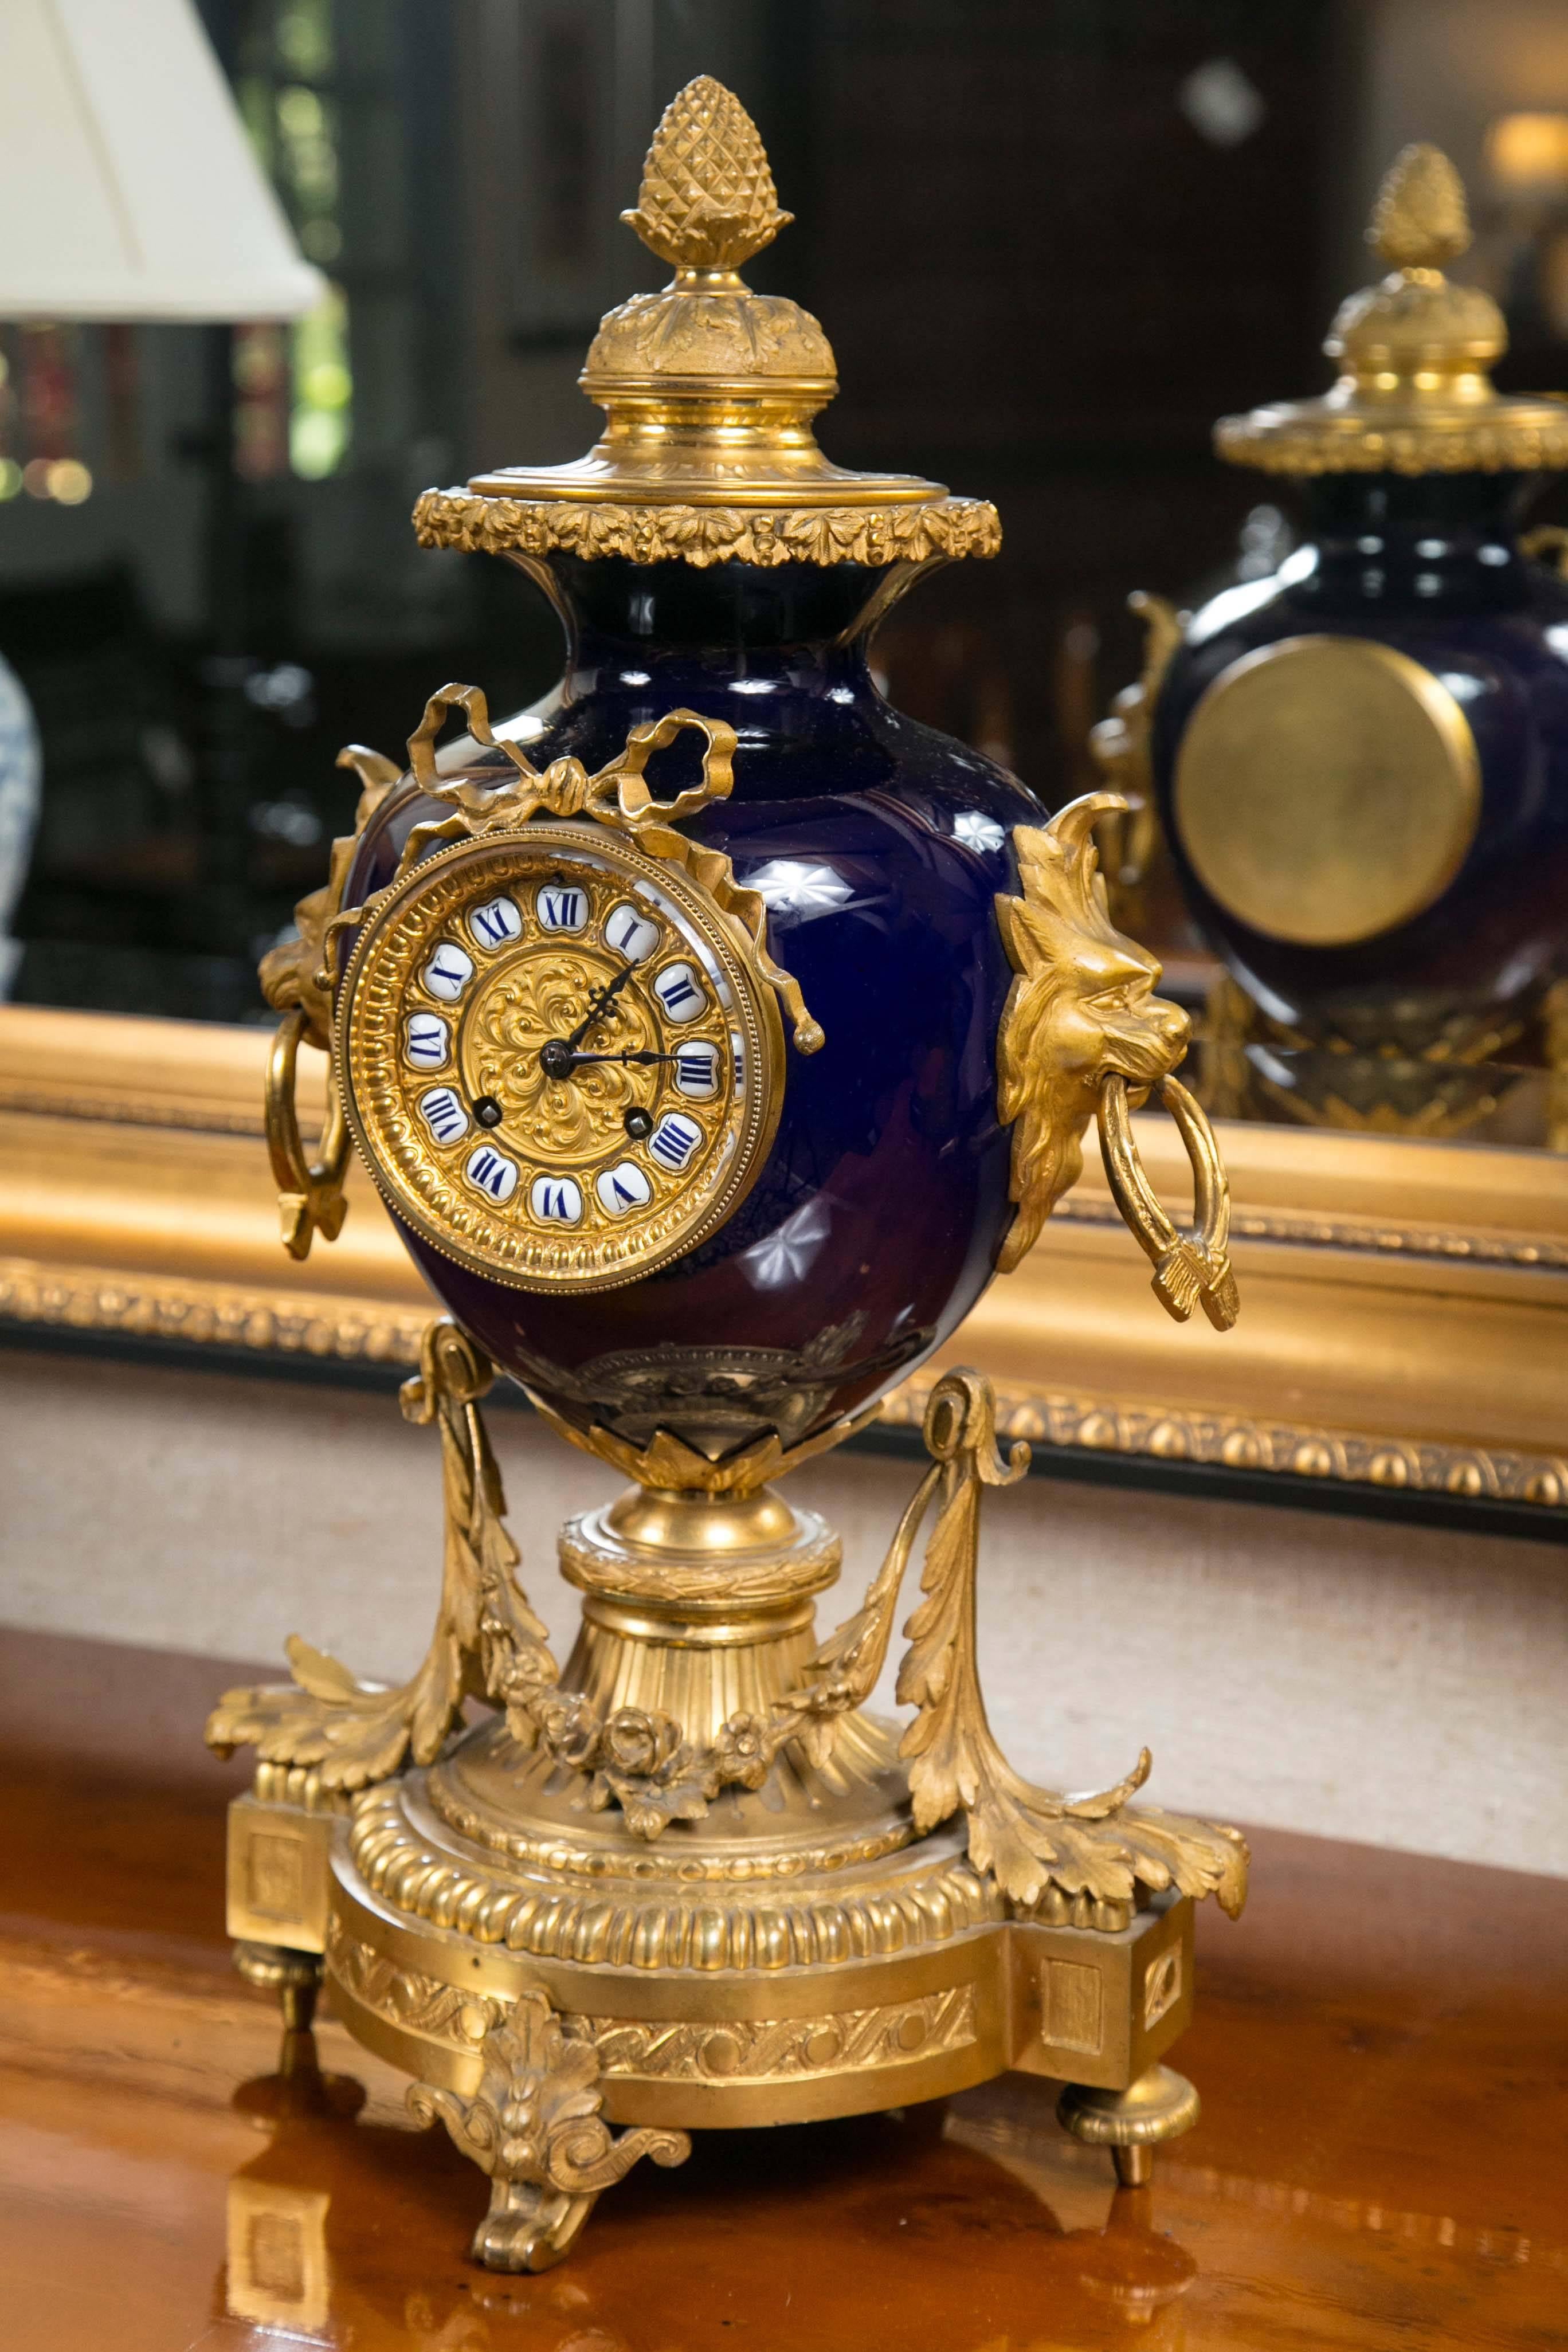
[517, 1047]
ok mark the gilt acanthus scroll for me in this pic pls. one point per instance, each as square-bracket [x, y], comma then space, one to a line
[350, 1734]
[1028, 1839]
[488, 1645]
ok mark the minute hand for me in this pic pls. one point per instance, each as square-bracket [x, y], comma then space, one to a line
[599, 1004]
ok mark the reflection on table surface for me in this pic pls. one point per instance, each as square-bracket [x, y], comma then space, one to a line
[1380, 2166]
[935, 2224]
[1380, 2044]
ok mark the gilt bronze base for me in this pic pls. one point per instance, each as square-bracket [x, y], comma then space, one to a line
[878, 1977]
[688, 1882]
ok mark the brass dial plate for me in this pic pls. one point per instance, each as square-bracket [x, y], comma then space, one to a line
[1327, 789]
[580, 1178]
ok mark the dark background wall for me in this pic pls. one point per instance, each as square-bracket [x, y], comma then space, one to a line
[1050, 241]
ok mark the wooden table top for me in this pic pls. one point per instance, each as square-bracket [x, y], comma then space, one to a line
[1382, 2046]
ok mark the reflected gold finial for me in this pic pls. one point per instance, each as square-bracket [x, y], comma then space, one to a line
[707, 199]
[1414, 394]
[1420, 219]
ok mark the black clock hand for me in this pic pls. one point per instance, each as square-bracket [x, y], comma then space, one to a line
[598, 1004]
[642, 1058]
[557, 1060]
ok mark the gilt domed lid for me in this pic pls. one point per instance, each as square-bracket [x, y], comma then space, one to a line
[709, 390]
[1414, 394]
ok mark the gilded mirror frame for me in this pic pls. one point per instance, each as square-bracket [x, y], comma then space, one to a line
[1405, 1329]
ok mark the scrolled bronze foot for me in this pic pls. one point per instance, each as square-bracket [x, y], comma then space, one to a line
[527, 2228]
[534, 2127]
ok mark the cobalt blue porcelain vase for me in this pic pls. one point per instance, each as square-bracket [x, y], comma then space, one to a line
[879, 848]
[1432, 569]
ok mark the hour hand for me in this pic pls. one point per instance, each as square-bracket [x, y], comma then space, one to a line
[641, 1057]
[559, 1058]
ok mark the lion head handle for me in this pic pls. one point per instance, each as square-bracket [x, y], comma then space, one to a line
[1081, 1007]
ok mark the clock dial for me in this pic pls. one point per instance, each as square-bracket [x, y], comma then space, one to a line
[560, 1063]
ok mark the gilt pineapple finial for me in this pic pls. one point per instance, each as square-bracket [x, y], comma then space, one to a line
[1420, 219]
[707, 199]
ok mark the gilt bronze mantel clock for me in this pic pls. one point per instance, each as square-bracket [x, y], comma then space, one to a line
[713, 1033]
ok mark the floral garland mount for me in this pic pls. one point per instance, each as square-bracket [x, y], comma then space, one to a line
[923, 532]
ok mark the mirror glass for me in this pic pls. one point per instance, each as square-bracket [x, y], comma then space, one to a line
[1050, 247]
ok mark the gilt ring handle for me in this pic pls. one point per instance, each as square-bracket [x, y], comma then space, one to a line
[1192, 1265]
[310, 1194]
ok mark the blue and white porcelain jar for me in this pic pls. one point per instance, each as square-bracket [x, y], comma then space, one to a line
[21, 783]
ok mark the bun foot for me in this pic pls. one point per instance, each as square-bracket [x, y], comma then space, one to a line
[294, 1976]
[1160, 2105]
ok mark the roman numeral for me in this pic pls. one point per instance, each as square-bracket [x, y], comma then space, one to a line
[448, 973]
[630, 934]
[426, 1039]
[492, 1173]
[492, 925]
[674, 1141]
[444, 1115]
[561, 910]
[623, 1188]
[556, 1199]
[697, 1070]
[680, 992]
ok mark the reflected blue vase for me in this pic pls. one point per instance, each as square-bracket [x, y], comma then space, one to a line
[1362, 764]
[1432, 567]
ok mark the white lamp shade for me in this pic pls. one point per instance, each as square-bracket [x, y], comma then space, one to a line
[128, 188]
